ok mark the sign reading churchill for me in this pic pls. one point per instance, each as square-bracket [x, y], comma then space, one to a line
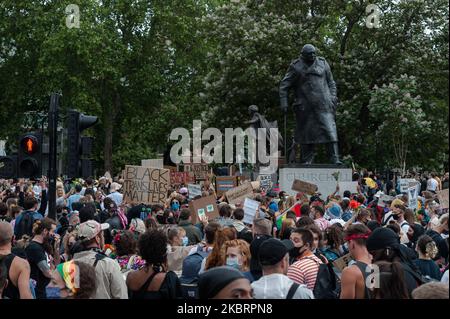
[315, 104]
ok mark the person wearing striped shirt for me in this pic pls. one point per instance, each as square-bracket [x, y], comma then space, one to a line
[306, 265]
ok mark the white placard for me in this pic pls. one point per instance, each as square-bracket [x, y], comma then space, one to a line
[250, 208]
[412, 197]
[194, 190]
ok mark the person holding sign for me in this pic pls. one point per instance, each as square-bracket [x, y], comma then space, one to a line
[353, 279]
[193, 233]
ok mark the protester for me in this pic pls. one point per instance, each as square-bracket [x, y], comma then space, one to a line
[17, 270]
[24, 222]
[114, 193]
[178, 248]
[109, 280]
[193, 233]
[317, 213]
[238, 216]
[43, 254]
[354, 277]
[383, 245]
[125, 250]
[224, 283]
[305, 268]
[236, 254]
[225, 212]
[427, 250]
[153, 281]
[74, 280]
[391, 281]
[261, 230]
[274, 284]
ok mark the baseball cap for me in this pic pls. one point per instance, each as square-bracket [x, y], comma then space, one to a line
[90, 229]
[272, 251]
[183, 190]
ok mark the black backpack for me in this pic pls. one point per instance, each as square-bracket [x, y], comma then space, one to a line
[326, 285]
[25, 226]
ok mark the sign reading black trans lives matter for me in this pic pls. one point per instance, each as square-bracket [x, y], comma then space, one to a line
[146, 185]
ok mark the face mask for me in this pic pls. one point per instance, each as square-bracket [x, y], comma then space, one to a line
[175, 206]
[395, 216]
[233, 262]
[185, 241]
[294, 253]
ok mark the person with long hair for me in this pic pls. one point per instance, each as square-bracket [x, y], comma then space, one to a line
[427, 250]
[236, 253]
[334, 243]
[383, 245]
[43, 254]
[391, 282]
[74, 280]
[215, 257]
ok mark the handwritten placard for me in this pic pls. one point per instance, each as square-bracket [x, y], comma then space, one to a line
[205, 206]
[145, 185]
[180, 177]
[194, 190]
[342, 262]
[238, 194]
[250, 208]
[304, 187]
[266, 182]
[443, 198]
[200, 170]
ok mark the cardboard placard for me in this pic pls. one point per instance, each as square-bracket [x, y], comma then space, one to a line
[342, 262]
[250, 209]
[170, 168]
[145, 185]
[238, 194]
[200, 170]
[180, 178]
[443, 198]
[194, 190]
[224, 184]
[154, 162]
[204, 206]
[304, 187]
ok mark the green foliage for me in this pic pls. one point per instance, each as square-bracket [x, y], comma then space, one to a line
[145, 67]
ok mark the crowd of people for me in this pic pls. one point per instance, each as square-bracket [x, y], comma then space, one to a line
[98, 246]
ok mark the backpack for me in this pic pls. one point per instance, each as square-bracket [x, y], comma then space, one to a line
[25, 226]
[326, 285]
[189, 275]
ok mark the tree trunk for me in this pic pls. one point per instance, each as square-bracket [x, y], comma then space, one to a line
[109, 122]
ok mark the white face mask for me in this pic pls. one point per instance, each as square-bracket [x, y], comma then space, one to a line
[233, 262]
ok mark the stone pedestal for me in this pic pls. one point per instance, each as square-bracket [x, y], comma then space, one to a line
[319, 174]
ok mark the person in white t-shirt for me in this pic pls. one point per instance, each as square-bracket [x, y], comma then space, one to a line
[432, 183]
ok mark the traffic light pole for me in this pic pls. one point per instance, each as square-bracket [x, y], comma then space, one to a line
[52, 171]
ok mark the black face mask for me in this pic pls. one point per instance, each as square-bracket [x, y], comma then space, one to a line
[395, 216]
[294, 253]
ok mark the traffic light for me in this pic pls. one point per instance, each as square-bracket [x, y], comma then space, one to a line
[8, 167]
[79, 147]
[30, 155]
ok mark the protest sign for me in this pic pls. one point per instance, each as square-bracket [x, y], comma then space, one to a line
[443, 198]
[266, 182]
[205, 206]
[180, 178]
[348, 186]
[154, 162]
[406, 183]
[256, 184]
[145, 185]
[171, 168]
[200, 170]
[194, 190]
[342, 262]
[238, 194]
[412, 197]
[224, 184]
[304, 187]
[384, 199]
[250, 208]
